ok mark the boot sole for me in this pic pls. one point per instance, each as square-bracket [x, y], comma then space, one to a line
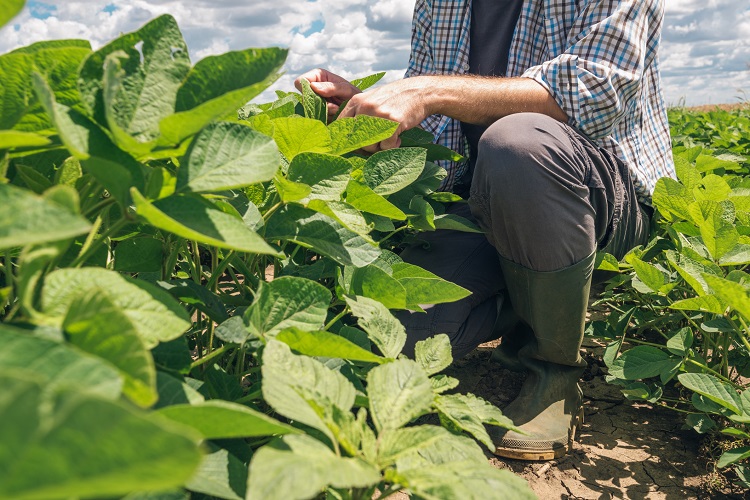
[542, 455]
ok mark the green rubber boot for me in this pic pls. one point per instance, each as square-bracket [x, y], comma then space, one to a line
[548, 408]
[513, 333]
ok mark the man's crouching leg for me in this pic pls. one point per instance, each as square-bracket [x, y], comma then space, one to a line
[547, 199]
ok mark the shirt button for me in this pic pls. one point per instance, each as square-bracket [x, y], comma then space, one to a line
[465, 66]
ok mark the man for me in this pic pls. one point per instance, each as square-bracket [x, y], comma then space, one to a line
[559, 105]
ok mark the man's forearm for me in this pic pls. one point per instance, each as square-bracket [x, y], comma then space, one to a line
[484, 100]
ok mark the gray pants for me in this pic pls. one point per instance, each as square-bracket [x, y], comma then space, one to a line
[546, 197]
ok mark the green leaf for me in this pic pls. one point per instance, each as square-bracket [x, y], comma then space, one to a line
[434, 354]
[706, 163]
[312, 465]
[156, 316]
[648, 274]
[47, 449]
[9, 9]
[194, 218]
[95, 325]
[640, 362]
[224, 420]
[27, 219]
[58, 365]
[136, 255]
[189, 292]
[672, 199]
[326, 344]
[606, 262]
[383, 329]
[707, 303]
[422, 215]
[10, 139]
[287, 302]
[291, 383]
[714, 389]
[216, 86]
[398, 442]
[680, 342]
[344, 214]
[365, 199]
[368, 81]
[321, 233]
[173, 391]
[314, 105]
[220, 474]
[455, 222]
[327, 175]
[398, 392]
[700, 422]
[147, 90]
[350, 134]
[296, 135]
[443, 383]
[290, 191]
[227, 156]
[423, 287]
[388, 172]
[730, 457]
[371, 281]
[464, 479]
[730, 292]
[455, 409]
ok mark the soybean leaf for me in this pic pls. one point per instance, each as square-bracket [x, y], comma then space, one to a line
[455, 409]
[368, 81]
[156, 316]
[296, 135]
[383, 329]
[398, 392]
[365, 199]
[194, 218]
[321, 233]
[421, 214]
[350, 134]
[314, 105]
[290, 191]
[326, 344]
[327, 175]
[423, 287]
[344, 214]
[9, 10]
[287, 302]
[220, 474]
[190, 292]
[706, 303]
[48, 454]
[434, 354]
[173, 391]
[680, 342]
[371, 281]
[226, 156]
[153, 73]
[733, 456]
[58, 365]
[291, 382]
[714, 389]
[313, 466]
[455, 223]
[10, 139]
[640, 362]
[398, 442]
[138, 255]
[216, 86]
[388, 172]
[27, 219]
[732, 293]
[225, 420]
[95, 325]
[443, 383]
[672, 199]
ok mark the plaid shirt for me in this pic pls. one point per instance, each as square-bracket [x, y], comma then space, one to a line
[597, 58]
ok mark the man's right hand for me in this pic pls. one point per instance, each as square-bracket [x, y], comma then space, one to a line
[331, 87]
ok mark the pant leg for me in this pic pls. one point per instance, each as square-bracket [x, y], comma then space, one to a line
[547, 197]
[468, 260]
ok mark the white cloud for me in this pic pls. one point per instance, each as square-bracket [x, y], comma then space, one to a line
[705, 52]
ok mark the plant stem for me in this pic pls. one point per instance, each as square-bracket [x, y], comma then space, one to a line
[271, 210]
[198, 271]
[336, 318]
[218, 270]
[8, 271]
[209, 357]
[711, 371]
[87, 252]
[102, 204]
[250, 397]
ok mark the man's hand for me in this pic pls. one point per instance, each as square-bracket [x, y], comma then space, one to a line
[402, 101]
[331, 87]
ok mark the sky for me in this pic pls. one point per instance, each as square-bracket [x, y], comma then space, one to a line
[705, 51]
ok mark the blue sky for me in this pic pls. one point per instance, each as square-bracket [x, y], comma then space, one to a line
[705, 48]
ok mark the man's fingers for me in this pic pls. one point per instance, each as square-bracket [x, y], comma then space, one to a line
[340, 91]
